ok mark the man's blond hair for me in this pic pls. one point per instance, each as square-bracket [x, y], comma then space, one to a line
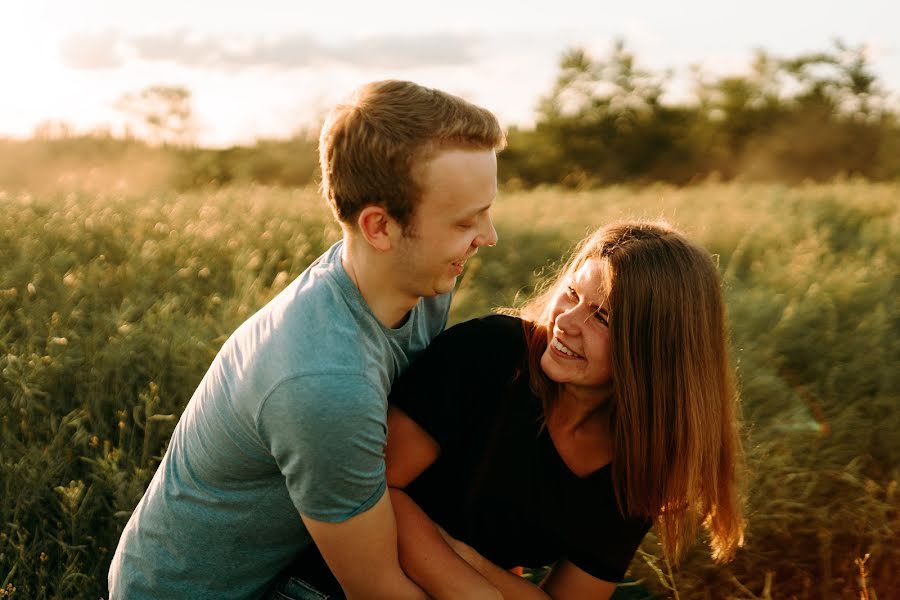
[371, 146]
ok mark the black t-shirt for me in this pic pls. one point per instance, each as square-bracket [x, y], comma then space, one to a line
[499, 484]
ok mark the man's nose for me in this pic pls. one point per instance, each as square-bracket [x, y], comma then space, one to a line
[488, 236]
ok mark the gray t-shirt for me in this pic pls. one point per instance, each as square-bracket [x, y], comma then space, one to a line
[291, 416]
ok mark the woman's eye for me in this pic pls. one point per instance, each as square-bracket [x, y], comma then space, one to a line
[571, 292]
[601, 317]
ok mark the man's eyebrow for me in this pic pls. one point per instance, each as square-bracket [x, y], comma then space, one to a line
[477, 210]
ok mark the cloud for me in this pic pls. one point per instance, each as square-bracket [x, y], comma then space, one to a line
[92, 50]
[421, 50]
[183, 47]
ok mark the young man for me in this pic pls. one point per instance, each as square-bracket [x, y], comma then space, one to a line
[282, 443]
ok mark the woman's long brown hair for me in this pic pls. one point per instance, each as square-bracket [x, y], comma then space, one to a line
[674, 412]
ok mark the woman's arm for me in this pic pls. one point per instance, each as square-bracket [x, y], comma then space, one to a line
[443, 566]
[409, 451]
[564, 582]
[429, 561]
[425, 556]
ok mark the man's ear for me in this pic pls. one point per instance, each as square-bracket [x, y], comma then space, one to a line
[378, 227]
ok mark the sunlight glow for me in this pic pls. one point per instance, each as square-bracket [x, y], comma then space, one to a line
[269, 69]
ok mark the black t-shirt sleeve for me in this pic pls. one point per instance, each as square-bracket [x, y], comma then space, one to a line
[456, 383]
[607, 555]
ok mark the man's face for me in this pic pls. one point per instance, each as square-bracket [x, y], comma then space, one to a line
[451, 220]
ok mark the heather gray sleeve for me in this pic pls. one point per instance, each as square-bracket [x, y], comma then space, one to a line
[327, 434]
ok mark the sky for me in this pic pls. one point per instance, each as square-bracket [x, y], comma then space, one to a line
[268, 68]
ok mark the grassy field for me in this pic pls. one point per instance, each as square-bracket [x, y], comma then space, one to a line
[112, 307]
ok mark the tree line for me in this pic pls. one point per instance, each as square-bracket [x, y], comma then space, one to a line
[814, 116]
[811, 116]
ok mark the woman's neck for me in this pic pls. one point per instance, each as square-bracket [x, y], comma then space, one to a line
[581, 433]
[573, 410]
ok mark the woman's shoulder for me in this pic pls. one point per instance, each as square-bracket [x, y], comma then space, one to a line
[484, 342]
[495, 326]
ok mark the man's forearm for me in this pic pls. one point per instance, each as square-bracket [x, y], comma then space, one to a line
[429, 561]
[403, 589]
[362, 554]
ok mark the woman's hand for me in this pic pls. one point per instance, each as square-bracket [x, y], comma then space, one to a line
[465, 551]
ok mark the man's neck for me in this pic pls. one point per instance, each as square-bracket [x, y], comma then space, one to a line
[373, 278]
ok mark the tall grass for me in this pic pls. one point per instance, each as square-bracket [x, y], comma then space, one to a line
[112, 307]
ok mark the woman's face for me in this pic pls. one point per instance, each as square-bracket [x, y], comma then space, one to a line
[578, 353]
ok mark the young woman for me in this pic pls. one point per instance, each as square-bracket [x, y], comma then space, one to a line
[560, 435]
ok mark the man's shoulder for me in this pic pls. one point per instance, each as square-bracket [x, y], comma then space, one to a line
[313, 312]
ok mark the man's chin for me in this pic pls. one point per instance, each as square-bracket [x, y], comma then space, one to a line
[444, 287]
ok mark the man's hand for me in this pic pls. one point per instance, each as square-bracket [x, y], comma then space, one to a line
[362, 554]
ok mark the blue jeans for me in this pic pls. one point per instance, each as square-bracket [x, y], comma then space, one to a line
[295, 588]
[307, 578]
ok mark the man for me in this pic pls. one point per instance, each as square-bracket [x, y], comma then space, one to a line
[290, 417]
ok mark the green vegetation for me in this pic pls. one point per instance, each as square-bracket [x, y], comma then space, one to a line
[811, 116]
[112, 306]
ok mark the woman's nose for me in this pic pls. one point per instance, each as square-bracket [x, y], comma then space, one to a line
[568, 321]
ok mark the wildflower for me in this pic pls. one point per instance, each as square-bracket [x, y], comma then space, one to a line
[71, 497]
[70, 279]
[280, 280]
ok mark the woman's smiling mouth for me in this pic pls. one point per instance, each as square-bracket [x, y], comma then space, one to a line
[559, 346]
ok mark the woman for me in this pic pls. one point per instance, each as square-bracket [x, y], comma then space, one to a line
[561, 434]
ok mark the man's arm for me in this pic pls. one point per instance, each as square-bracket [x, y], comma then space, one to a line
[327, 435]
[362, 554]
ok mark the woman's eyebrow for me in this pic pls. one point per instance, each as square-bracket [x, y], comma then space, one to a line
[599, 309]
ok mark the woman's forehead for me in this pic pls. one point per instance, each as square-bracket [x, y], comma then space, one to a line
[591, 276]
